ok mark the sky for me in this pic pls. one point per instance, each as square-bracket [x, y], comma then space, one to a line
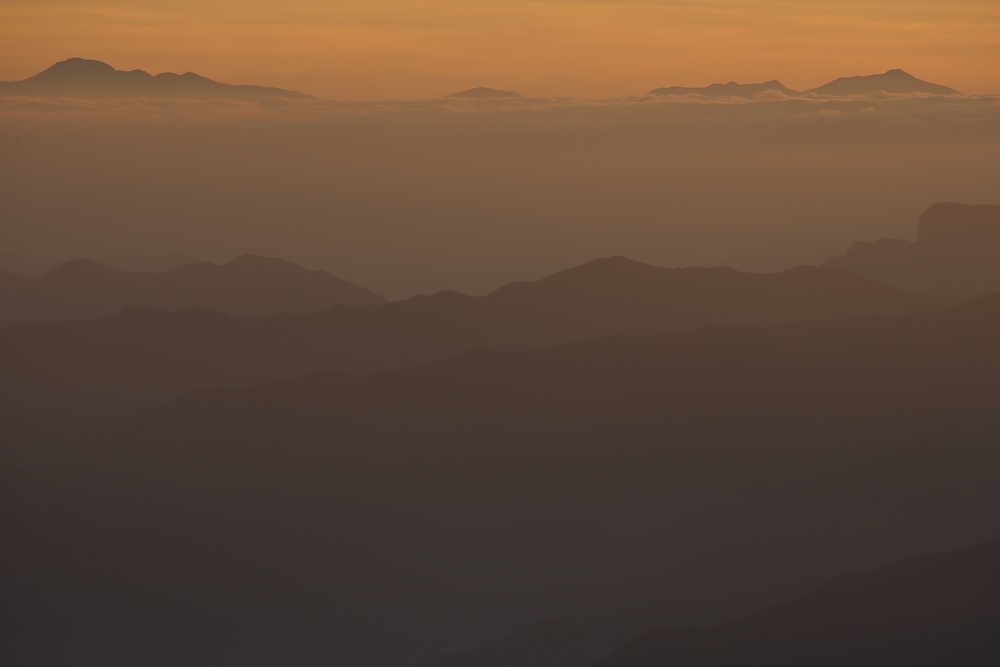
[421, 49]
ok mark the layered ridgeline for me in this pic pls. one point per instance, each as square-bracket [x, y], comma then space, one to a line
[894, 81]
[940, 609]
[957, 252]
[92, 79]
[141, 356]
[915, 500]
[389, 518]
[248, 286]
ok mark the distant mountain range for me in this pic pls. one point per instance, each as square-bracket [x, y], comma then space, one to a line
[957, 252]
[86, 365]
[731, 89]
[893, 81]
[939, 609]
[92, 79]
[248, 286]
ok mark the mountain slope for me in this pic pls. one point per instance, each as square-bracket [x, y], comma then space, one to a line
[141, 357]
[248, 286]
[912, 501]
[893, 81]
[940, 609]
[92, 79]
[10, 283]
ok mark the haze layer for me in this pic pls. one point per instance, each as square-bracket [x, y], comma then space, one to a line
[408, 198]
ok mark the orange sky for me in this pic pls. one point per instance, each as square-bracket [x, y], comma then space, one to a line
[411, 49]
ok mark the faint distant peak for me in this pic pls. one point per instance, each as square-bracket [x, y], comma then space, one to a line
[93, 79]
[483, 93]
[731, 89]
[893, 81]
[150, 263]
[76, 269]
[260, 262]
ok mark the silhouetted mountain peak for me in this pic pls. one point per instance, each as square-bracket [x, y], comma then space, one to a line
[79, 77]
[893, 81]
[483, 93]
[78, 68]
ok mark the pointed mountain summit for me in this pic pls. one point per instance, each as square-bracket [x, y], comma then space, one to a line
[893, 81]
[731, 89]
[483, 93]
[93, 79]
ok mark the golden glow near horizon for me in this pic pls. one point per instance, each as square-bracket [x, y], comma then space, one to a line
[411, 49]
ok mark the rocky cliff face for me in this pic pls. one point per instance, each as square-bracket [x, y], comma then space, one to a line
[961, 228]
[957, 253]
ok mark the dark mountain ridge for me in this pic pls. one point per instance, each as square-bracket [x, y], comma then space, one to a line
[938, 609]
[912, 501]
[92, 79]
[123, 360]
[248, 286]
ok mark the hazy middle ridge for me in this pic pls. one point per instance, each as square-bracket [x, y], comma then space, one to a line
[141, 357]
